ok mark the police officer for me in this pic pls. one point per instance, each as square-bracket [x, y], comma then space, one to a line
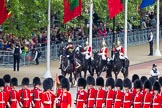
[154, 71]
[151, 43]
[16, 54]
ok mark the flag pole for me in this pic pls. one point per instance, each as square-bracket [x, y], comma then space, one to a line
[157, 51]
[125, 30]
[47, 74]
[91, 22]
[113, 38]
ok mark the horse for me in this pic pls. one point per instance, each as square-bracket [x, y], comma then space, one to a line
[117, 65]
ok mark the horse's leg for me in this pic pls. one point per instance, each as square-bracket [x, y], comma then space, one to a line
[85, 73]
[70, 79]
[108, 73]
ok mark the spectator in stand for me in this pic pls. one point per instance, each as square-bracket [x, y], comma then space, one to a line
[1, 44]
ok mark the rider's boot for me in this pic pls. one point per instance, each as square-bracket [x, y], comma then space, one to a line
[123, 63]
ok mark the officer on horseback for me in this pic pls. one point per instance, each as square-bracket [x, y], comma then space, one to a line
[87, 51]
[70, 53]
[104, 53]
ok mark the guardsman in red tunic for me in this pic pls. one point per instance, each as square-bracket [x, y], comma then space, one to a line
[3, 95]
[59, 91]
[47, 98]
[66, 98]
[91, 92]
[143, 79]
[101, 94]
[110, 92]
[25, 98]
[118, 93]
[14, 97]
[104, 54]
[138, 99]
[160, 81]
[156, 103]
[147, 96]
[81, 95]
[36, 93]
[7, 79]
[134, 78]
[128, 95]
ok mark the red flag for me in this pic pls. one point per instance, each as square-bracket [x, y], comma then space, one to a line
[114, 7]
[4, 15]
[72, 9]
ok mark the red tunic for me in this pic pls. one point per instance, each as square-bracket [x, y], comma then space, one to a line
[105, 51]
[138, 100]
[110, 98]
[134, 92]
[81, 98]
[25, 98]
[128, 96]
[59, 93]
[121, 50]
[118, 99]
[147, 100]
[3, 99]
[91, 97]
[66, 99]
[7, 88]
[47, 99]
[14, 98]
[156, 101]
[161, 98]
[36, 97]
[100, 98]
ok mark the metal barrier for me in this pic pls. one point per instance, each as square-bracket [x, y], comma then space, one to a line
[136, 37]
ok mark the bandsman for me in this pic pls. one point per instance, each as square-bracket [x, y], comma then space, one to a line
[47, 97]
[25, 98]
[128, 95]
[3, 95]
[138, 99]
[119, 93]
[66, 99]
[91, 92]
[100, 98]
[36, 93]
[82, 94]
[14, 97]
[147, 96]
[110, 92]
[156, 98]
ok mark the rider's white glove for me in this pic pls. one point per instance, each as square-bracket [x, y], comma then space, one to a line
[67, 56]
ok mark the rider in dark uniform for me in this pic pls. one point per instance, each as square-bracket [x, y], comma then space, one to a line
[70, 53]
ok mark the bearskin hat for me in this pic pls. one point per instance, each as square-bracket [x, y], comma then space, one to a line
[100, 81]
[7, 78]
[65, 84]
[2, 83]
[138, 84]
[25, 81]
[119, 83]
[47, 84]
[147, 84]
[51, 81]
[127, 83]
[60, 77]
[156, 86]
[134, 77]
[36, 81]
[110, 82]
[90, 80]
[14, 82]
[152, 80]
[160, 80]
[143, 79]
[82, 82]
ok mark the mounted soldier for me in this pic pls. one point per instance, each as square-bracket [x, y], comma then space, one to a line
[104, 54]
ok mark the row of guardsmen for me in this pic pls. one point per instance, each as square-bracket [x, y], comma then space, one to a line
[91, 93]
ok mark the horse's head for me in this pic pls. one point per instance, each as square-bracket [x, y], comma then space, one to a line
[64, 60]
[116, 56]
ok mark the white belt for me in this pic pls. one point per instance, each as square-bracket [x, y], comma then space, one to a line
[147, 103]
[91, 99]
[126, 101]
[80, 100]
[155, 104]
[37, 99]
[109, 98]
[99, 98]
[117, 99]
[47, 102]
[13, 99]
[2, 101]
[137, 102]
[26, 99]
